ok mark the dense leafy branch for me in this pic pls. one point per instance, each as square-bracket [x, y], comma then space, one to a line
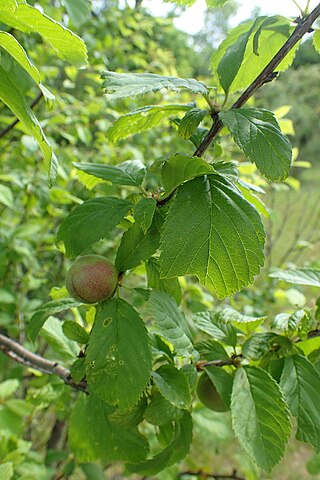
[19, 354]
[267, 74]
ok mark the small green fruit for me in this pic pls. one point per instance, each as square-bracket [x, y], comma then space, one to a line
[91, 279]
[209, 396]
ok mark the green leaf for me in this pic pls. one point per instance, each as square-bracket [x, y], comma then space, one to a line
[215, 3]
[74, 331]
[189, 123]
[258, 134]
[168, 285]
[122, 85]
[260, 416]
[13, 98]
[211, 350]
[316, 40]
[51, 308]
[131, 172]
[173, 385]
[169, 322]
[160, 411]
[92, 435]
[144, 211]
[118, 355]
[253, 199]
[66, 44]
[172, 454]
[78, 369]
[78, 11]
[258, 345]
[13, 47]
[214, 325]
[299, 321]
[211, 231]
[8, 387]
[223, 382]
[300, 384]
[6, 471]
[261, 41]
[9, 5]
[62, 347]
[180, 168]
[137, 246]
[230, 63]
[90, 222]
[245, 323]
[6, 196]
[300, 276]
[142, 119]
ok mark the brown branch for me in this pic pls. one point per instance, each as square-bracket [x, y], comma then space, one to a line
[267, 74]
[14, 123]
[215, 476]
[19, 354]
[234, 360]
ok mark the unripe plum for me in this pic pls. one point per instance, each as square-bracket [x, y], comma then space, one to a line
[209, 395]
[91, 279]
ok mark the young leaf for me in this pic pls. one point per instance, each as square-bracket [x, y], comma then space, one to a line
[131, 172]
[118, 355]
[245, 323]
[122, 85]
[300, 383]
[300, 276]
[316, 40]
[169, 322]
[40, 316]
[92, 435]
[160, 411]
[6, 471]
[75, 332]
[180, 168]
[13, 47]
[168, 285]
[260, 416]
[189, 123]
[172, 454]
[137, 246]
[215, 326]
[14, 99]
[260, 40]
[90, 222]
[28, 19]
[258, 134]
[142, 119]
[173, 385]
[144, 211]
[229, 65]
[9, 5]
[211, 231]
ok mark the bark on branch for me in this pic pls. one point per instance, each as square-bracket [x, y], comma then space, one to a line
[19, 354]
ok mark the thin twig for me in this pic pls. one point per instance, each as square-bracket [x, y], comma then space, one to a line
[14, 123]
[215, 476]
[19, 354]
